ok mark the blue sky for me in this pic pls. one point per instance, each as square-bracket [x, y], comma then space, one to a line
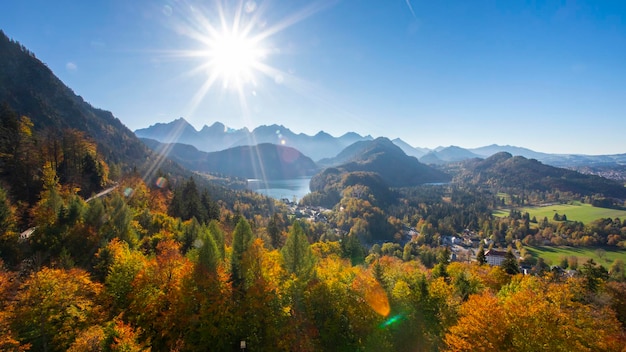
[546, 75]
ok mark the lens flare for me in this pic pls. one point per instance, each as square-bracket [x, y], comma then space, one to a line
[392, 320]
[161, 182]
[373, 293]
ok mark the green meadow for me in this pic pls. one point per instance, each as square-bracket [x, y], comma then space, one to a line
[574, 212]
[553, 255]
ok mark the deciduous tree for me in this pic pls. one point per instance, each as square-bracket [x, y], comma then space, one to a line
[53, 306]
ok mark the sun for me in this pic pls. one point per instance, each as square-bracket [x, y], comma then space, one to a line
[234, 57]
[233, 44]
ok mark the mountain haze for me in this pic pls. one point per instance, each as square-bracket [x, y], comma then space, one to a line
[263, 161]
[218, 137]
[447, 155]
[323, 147]
[409, 149]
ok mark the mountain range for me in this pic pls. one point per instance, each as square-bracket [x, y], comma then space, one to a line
[322, 147]
[219, 137]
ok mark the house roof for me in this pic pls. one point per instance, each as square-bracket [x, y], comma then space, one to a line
[495, 253]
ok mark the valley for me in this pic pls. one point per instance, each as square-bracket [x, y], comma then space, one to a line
[173, 239]
[574, 211]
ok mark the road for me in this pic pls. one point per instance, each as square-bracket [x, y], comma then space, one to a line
[26, 234]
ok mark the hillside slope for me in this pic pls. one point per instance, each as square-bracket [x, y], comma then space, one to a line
[30, 88]
[387, 160]
[505, 170]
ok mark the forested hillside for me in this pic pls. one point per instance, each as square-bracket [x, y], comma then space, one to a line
[128, 272]
[506, 171]
[30, 89]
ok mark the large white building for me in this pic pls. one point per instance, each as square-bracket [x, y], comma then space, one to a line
[495, 257]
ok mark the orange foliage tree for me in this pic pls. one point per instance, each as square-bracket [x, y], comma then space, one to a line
[530, 315]
[53, 306]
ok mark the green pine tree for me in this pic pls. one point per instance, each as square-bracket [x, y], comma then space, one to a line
[297, 253]
[480, 256]
[510, 264]
[242, 240]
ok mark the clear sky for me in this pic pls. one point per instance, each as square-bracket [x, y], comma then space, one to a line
[546, 75]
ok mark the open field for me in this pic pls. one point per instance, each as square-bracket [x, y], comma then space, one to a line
[553, 255]
[574, 212]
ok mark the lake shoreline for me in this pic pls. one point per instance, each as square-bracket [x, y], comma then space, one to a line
[291, 189]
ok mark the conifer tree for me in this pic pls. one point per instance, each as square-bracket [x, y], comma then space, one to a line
[480, 256]
[8, 235]
[208, 254]
[510, 264]
[351, 248]
[297, 253]
[242, 240]
[273, 231]
[407, 252]
[218, 237]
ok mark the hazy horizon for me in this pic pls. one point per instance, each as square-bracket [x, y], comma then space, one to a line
[251, 128]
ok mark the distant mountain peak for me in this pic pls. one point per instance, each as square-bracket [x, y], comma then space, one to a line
[322, 134]
[350, 135]
[215, 126]
[500, 156]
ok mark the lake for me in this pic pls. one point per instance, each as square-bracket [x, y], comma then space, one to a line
[279, 189]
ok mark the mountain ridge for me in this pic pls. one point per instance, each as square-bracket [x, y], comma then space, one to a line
[263, 161]
[505, 170]
[53, 105]
[386, 159]
[211, 139]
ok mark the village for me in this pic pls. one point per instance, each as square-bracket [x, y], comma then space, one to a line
[463, 247]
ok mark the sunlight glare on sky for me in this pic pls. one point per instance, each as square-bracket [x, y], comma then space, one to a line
[545, 75]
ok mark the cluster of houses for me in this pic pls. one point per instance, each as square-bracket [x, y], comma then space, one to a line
[464, 247]
[311, 213]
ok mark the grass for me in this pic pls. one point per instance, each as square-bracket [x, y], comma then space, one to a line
[574, 212]
[553, 255]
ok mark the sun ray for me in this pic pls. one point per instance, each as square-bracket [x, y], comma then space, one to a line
[233, 48]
